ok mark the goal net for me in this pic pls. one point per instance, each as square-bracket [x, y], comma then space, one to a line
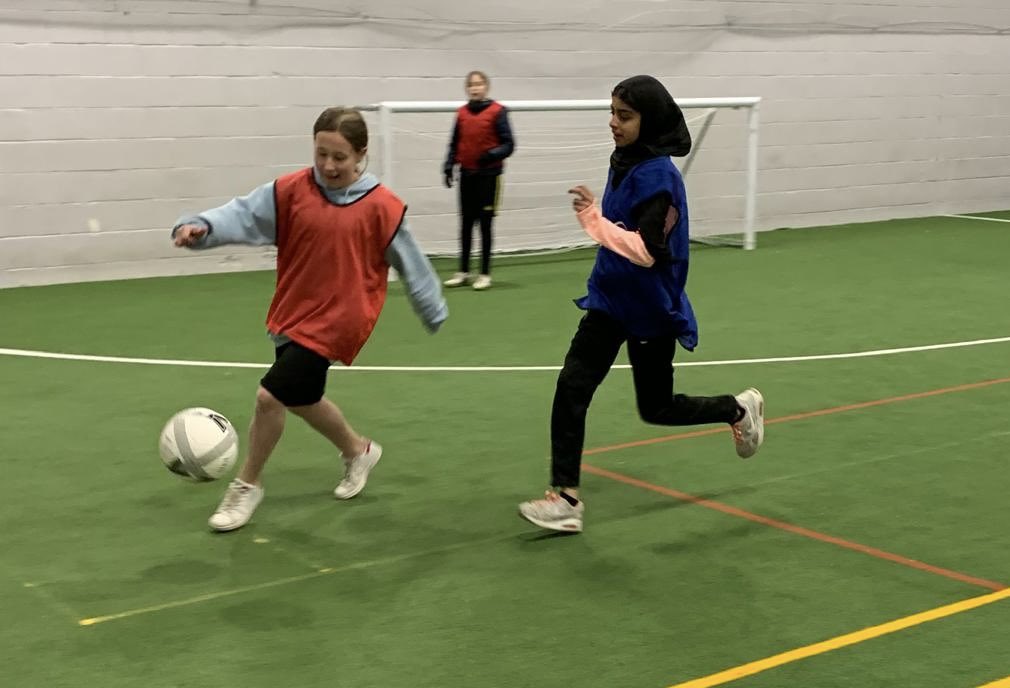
[560, 144]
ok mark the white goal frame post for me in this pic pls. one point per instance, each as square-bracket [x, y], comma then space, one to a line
[387, 110]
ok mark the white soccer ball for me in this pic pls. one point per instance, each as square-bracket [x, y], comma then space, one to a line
[199, 444]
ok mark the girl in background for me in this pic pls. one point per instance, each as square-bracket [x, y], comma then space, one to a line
[481, 140]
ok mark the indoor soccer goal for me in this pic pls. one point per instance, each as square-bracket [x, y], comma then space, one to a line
[559, 144]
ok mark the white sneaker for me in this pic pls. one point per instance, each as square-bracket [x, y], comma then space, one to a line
[459, 279]
[553, 512]
[482, 282]
[356, 471]
[237, 507]
[749, 431]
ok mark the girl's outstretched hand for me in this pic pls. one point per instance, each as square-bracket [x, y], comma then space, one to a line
[583, 198]
[187, 235]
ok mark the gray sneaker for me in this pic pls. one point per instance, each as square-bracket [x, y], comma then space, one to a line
[237, 507]
[749, 431]
[553, 512]
[356, 471]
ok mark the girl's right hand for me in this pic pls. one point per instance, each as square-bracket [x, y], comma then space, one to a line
[583, 198]
[189, 235]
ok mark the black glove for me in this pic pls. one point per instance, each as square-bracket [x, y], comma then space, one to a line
[447, 174]
[485, 159]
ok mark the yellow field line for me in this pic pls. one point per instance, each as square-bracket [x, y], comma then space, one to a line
[202, 598]
[1001, 683]
[865, 634]
[94, 620]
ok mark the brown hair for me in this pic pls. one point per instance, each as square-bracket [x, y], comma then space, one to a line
[479, 73]
[346, 121]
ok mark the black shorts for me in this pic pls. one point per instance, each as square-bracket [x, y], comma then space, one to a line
[298, 375]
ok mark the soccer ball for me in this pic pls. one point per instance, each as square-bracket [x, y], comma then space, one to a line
[198, 444]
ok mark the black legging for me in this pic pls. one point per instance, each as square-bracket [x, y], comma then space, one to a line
[477, 202]
[590, 356]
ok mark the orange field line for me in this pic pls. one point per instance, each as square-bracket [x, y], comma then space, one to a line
[801, 416]
[790, 528]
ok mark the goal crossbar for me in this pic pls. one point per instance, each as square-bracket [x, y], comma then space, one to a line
[386, 109]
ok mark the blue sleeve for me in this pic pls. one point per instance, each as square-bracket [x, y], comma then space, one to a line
[504, 131]
[250, 219]
[419, 279]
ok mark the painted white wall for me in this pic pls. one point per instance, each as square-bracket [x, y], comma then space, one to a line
[119, 115]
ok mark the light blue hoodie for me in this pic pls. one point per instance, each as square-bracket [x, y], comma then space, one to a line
[252, 219]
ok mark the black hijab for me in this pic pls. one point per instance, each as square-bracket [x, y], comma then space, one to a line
[663, 130]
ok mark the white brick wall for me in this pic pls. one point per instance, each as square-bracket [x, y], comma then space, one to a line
[132, 112]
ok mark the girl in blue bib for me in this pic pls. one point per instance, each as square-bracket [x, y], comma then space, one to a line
[636, 294]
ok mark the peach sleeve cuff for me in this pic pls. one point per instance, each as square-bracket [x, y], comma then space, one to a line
[624, 243]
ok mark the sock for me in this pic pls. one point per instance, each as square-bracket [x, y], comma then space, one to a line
[568, 498]
[368, 446]
[741, 412]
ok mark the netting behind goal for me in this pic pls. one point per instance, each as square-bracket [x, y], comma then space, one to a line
[560, 144]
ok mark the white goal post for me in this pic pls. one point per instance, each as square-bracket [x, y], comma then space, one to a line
[560, 143]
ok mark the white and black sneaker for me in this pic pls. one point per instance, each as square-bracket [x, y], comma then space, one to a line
[554, 512]
[749, 431]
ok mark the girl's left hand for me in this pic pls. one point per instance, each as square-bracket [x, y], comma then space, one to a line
[583, 198]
